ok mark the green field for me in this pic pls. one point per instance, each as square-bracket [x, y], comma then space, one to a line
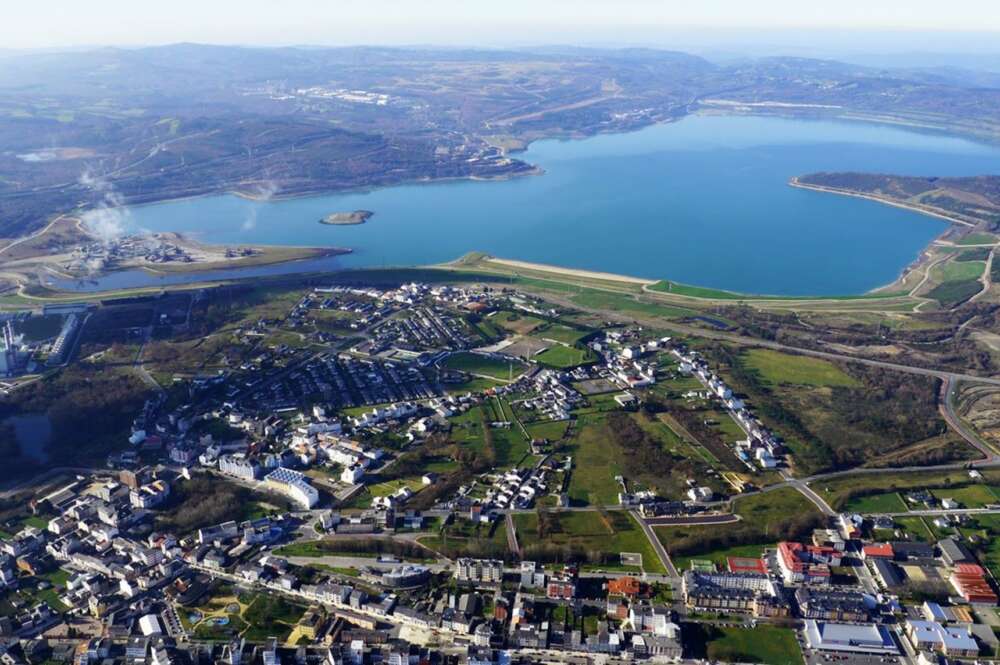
[606, 532]
[596, 463]
[970, 496]
[916, 527]
[560, 356]
[495, 368]
[974, 254]
[838, 492]
[783, 514]
[618, 302]
[958, 271]
[887, 502]
[777, 368]
[765, 644]
[977, 239]
[953, 293]
[676, 288]
[988, 527]
[561, 333]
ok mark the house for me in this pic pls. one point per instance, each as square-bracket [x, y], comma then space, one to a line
[626, 586]
[700, 494]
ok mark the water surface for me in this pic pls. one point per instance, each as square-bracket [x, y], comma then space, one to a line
[703, 201]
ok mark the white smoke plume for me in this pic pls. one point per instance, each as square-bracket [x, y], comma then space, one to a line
[262, 193]
[109, 219]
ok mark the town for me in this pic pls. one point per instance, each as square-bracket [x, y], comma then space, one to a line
[420, 473]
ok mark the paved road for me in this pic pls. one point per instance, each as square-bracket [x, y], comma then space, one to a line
[946, 406]
[654, 540]
[808, 493]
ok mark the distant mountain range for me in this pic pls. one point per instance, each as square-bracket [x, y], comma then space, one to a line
[186, 119]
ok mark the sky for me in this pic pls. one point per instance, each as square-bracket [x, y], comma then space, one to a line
[889, 24]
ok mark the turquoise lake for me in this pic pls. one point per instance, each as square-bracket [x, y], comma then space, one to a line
[703, 201]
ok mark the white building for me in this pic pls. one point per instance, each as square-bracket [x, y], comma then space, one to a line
[293, 485]
[238, 466]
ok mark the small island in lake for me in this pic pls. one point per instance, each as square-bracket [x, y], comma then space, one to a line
[347, 218]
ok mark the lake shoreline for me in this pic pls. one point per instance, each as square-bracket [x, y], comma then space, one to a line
[449, 238]
[924, 257]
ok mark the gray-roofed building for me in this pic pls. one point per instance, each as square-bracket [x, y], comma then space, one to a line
[864, 638]
[908, 550]
[886, 573]
[953, 552]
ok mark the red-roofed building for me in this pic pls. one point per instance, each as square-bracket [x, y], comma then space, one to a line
[739, 564]
[878, 551]
[970, 569]
[969, 579]
[625, 586]
[807, 563]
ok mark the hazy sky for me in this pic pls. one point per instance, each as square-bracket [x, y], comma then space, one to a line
[46, 23]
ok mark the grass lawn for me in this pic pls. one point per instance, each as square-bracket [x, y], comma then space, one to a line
[838, 491]
[887, 502]
[475, 384]
[560, 356]
[553, 430]
[392, 486]
[977, 239]
[718, 557]
[676, 288]
[596, 462]
[627, 303]
[777, 368]
[770, 645]
[970, 496]
[609, 532]
[916, 527]
[958, 271]
[495, 368]
[989, 526]
[558, 332]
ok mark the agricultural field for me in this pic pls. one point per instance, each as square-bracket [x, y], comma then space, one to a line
[490, 367]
